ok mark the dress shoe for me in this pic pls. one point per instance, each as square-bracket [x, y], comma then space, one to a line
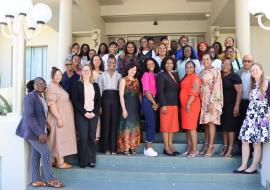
[238, 172]
[253, 172]
[165, 152]
[92, 165]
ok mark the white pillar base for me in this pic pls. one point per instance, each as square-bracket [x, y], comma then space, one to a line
[265, 171]
[14, 155]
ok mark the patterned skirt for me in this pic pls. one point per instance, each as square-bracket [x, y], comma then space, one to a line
[129, 131]
[255, 128]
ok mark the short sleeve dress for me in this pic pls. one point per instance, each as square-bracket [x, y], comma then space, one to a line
[62, 141]
[189, 119]
[229, 123]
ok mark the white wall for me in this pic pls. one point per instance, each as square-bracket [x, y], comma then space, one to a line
[5, 61]
[260, 40]
[162, 27]
[13, 176]
[88, 12]
[136, 7]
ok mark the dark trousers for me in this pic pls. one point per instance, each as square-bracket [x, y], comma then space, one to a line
[242, 113]
[86, 131]
[110, 120]
[150, 119]
[40, 152]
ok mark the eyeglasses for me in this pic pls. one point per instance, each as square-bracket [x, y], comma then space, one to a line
[68, 64]
[248, 61]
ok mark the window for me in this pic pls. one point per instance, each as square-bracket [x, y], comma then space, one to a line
[36, 62]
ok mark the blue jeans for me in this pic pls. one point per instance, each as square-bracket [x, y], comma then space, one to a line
[150, 119]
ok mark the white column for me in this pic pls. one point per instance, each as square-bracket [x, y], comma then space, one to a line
[18, 72]
[242, 25]
[14, 74]
[21, 72]
[65, 31]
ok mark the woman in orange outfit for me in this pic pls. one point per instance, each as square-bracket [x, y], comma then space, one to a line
[190, 107]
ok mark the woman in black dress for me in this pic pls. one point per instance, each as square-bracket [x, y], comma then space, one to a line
[232, 93]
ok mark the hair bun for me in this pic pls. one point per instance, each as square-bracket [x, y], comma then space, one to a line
[54, 68]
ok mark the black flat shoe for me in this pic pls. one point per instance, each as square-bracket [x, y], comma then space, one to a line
[238, 172]
[176, 152]
[92, 165]
[253, 172]
[165, 152]
[82, 166]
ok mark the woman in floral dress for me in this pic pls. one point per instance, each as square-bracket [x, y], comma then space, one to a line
[129, 129]
[255, 127]
[212, 103]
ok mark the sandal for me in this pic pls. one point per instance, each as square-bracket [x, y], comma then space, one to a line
[127, 153]
[63, 166]
[229, 152]
[205, 148]
[55, 183]
[39, 184]
[193, 155]
[186, 153]
[210, 152]
[53, 162]
[132, 151]
[224, 149]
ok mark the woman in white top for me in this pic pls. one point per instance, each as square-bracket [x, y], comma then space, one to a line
[161, 54]
[103, 49]
[188, 56]
[109, 83]
[84, 54]
[97, 67]
[236, 62]
[113, 47]
[214, 56]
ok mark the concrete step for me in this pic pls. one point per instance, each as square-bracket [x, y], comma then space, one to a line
[133, 185]
[180, 148]
[161, 163]
[222, 176]
[180, 137]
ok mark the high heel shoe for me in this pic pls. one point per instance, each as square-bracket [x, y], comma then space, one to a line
[229, 152]
[205, 148]
[223, 150]
[210, 152]
[185, 153]
[193, 155]
[168, 154]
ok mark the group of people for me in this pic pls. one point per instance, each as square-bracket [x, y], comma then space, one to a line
[100, 96]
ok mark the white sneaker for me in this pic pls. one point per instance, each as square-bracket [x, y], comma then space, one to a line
[150, 152]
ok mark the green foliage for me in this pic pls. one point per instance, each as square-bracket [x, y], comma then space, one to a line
[4, 106]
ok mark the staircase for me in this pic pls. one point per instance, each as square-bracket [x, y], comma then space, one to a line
[118, 172]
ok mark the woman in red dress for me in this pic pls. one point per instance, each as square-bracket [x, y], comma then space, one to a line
[190, 107]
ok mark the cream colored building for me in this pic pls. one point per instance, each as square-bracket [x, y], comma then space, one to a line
[131, 19]
[75, 21]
